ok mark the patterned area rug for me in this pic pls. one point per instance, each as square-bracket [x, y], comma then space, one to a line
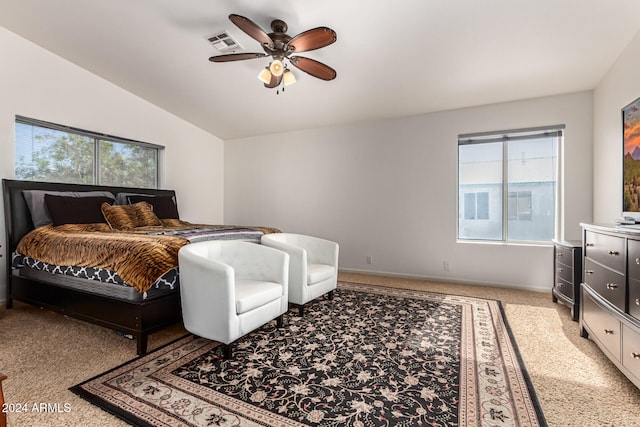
[373, 356]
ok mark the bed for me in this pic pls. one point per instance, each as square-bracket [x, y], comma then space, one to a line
[132, 298]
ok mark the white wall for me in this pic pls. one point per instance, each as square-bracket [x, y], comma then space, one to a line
[618, 88]
[388, 189]
[35, 83]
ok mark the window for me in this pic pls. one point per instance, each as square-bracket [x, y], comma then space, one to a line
[476, 205]
[520, 205]
[50, 152]
[507, 185]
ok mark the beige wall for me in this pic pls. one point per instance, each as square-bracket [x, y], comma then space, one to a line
[35, 83]
[388, 189]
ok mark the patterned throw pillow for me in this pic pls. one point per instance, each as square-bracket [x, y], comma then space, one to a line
[126, 217]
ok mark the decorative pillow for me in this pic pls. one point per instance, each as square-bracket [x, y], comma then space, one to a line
[39, 212]
[75, 210]
[163, 206]
[146, 216]
[125, 217]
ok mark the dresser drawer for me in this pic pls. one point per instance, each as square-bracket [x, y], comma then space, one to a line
[631, 350]
[607, 250]
[564, 255]
[634, 298]
[633, 259]
[564, 272]
[605, 329]
[564, 287]
[610, 284]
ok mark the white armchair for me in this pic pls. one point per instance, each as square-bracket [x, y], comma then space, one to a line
[230, 288]
[313, 265]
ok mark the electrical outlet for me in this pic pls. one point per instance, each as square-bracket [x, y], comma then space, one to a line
[369, 259]
[446, 265]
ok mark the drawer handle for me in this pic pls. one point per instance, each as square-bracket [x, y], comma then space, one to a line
[559, 255]
[608, 331]
[560, 270]
[614, 253]
[611, 286]
[559, 285]
[588, 272]
[589, 244]
[635, 355]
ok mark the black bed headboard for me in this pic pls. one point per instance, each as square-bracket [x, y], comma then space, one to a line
[17, 217]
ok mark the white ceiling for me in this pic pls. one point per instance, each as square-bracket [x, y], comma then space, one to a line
[393, 57]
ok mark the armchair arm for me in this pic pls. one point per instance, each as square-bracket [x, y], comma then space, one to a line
[207, 291]
[208, 277]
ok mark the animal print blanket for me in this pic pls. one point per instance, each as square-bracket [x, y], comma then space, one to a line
[139, 256]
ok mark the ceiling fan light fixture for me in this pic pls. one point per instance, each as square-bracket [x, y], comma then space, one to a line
[280, 46]
[264, 76]
[276, 68]
[289, 78]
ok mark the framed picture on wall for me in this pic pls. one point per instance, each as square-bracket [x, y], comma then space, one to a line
[631, 158]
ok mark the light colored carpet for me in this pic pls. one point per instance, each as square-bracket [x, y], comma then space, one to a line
[43, 354]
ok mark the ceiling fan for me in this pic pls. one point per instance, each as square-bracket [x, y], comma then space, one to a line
[281, 47]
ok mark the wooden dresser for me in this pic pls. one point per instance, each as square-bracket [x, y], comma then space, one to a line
[567, 274]
[610, 294]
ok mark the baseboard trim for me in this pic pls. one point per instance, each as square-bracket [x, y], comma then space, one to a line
[518, 286]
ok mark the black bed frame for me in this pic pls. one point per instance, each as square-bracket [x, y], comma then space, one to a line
[135, 318]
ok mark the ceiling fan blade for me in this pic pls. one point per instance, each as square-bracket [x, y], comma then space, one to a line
[313, 67]
[236, 57]
[252, 29]
[313, 39]
[275, 81]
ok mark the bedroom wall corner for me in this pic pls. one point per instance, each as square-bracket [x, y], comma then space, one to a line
[619, 87]
[36, 83]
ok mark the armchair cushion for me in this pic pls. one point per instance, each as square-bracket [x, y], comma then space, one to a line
[252, 294]
[318, 272]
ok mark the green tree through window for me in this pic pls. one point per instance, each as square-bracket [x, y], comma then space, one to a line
[53, 155]
[49, 152]
[127, 165]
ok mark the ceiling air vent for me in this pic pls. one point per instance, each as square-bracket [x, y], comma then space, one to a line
[224, 42]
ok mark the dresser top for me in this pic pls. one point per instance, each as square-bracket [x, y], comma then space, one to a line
[567, 243]
[633, 229]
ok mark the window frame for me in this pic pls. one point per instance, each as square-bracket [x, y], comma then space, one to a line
[97, 137]
[504, 137]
